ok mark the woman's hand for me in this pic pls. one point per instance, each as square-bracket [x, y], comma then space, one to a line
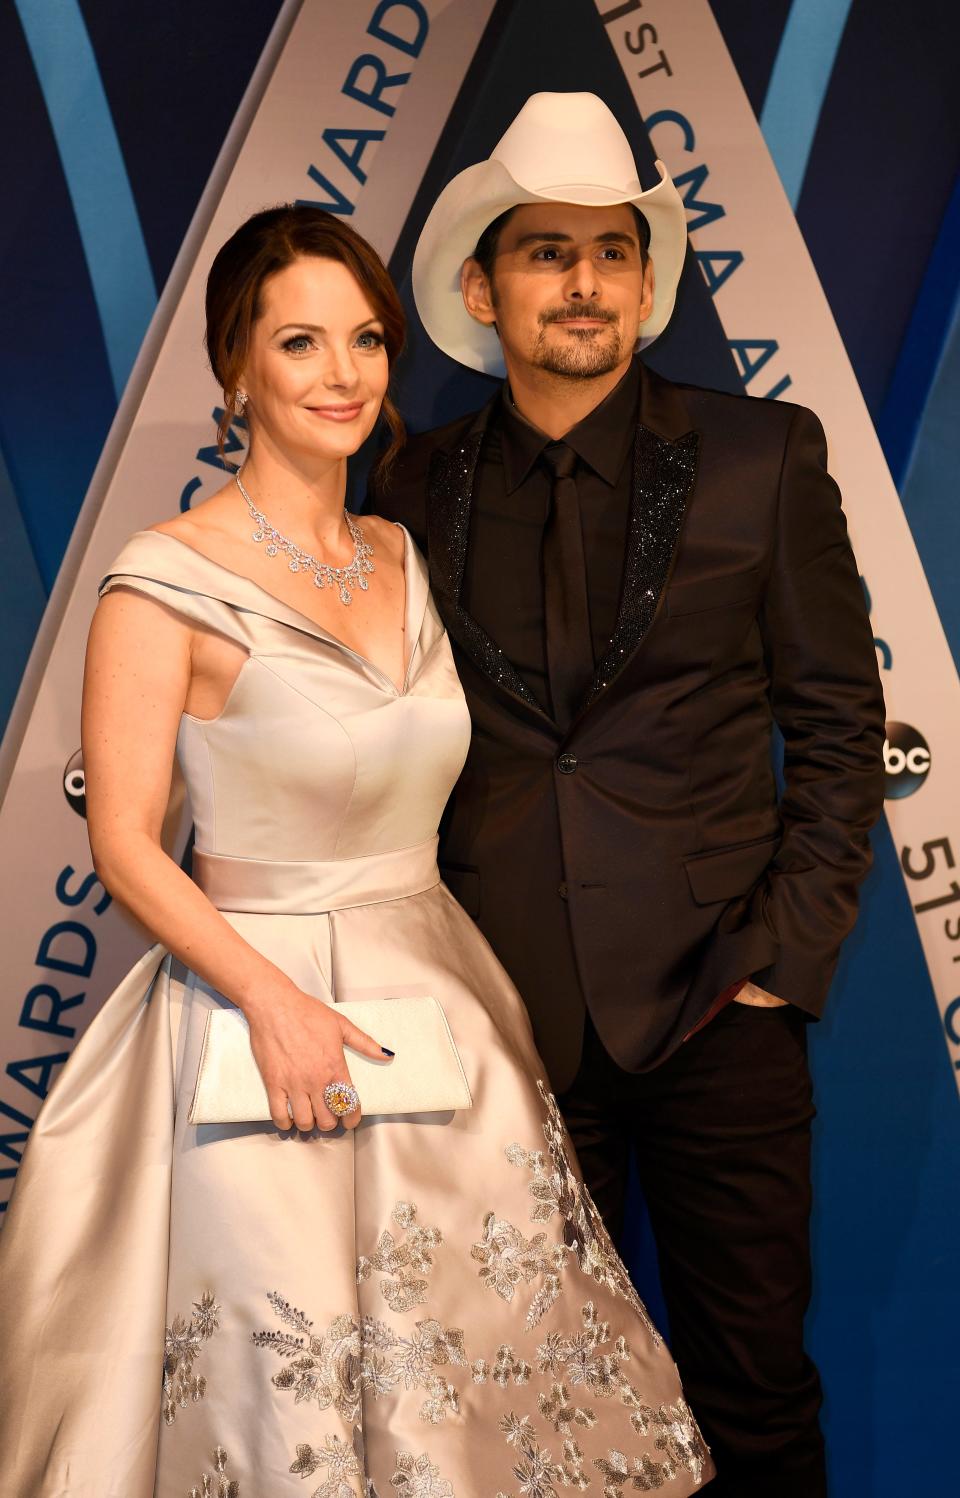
[298, 1043]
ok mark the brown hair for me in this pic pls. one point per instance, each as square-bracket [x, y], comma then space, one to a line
[266, 244]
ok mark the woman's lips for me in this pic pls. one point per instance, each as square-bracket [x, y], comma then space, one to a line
[337, 413]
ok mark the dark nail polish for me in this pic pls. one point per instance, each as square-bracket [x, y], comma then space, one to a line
[386, 1052]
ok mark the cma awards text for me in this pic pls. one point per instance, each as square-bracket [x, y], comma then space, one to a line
[68, 950]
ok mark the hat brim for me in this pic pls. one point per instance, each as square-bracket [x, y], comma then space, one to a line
[479, 195]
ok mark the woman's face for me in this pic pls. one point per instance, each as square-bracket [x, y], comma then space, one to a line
[316, 371]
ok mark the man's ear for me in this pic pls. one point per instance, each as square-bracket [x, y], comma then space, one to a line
[477, 293]
[646, 300]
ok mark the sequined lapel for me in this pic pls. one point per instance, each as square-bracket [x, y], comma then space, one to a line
[665, 458]
[449, 501]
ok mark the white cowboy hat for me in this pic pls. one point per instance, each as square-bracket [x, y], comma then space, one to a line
[561, 148]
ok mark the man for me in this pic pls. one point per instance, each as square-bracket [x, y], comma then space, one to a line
[640, 579]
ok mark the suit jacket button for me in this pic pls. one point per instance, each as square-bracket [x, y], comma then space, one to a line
[562, 890]
[567, 764]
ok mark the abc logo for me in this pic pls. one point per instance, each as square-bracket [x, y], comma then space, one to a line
[74, 784]
[906, 760]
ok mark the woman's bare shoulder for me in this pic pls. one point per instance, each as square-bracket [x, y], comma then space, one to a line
[384, 535]
[215, 516]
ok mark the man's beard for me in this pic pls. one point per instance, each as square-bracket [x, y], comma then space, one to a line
[586, 353]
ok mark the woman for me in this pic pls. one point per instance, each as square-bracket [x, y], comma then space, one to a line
[426, 1304]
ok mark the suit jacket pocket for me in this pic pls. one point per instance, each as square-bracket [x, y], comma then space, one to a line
[697, 596]
[725, 873]
[464, 884]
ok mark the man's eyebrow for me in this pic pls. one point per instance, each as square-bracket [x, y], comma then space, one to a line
[311, 327]
[545, 234]
[611, 236]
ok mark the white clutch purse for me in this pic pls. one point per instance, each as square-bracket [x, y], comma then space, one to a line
[425, 1076]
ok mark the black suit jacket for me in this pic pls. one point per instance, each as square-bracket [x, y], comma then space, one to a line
[654, 825]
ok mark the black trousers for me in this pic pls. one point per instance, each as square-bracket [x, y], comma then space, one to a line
[721, 1134]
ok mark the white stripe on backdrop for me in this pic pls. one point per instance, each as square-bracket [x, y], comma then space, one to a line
[391, 67]
[784, 337]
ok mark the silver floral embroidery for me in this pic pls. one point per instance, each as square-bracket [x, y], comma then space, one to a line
[325, 1369]
[508, 1259]
[562, 1415]
[183, 1343]
[517, 1429]
[506, 1366]
[556, 1188]
[417, 1477]
[405, 1264]
[641, 1472]
[537, 1466]
[677, 1433]
[536, 1471]
[592, 1360]
[353, 1357]
[357, 1357]
[340, 1463]
[416, 1358]
[581, 1359]
[573, 1472]
[218, 1483]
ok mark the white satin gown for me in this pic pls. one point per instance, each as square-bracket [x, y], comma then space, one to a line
[426, 1308]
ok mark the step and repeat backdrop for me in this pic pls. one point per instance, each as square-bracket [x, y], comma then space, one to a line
[815, 145]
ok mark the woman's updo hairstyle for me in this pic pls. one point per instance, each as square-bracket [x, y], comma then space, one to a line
[266, 244]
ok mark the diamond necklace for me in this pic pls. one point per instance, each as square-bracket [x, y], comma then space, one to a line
[354, 575]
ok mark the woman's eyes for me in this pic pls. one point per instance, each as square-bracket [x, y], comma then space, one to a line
[302, 343]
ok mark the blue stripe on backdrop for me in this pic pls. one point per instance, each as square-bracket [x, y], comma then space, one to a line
[922, 347]
[930, 489]
[880, 167]
[22, 593]
[880, 174]
[173, 100]
[798, 83]
[96, 177]
[752, 30]
[56, 391]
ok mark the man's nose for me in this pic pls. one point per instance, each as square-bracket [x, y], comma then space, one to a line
[581, 282]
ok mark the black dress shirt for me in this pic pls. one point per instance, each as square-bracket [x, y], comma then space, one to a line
[503, 584]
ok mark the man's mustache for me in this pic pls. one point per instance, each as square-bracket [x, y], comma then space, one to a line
[574, 311]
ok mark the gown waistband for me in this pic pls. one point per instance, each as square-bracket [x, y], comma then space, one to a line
[254, 886]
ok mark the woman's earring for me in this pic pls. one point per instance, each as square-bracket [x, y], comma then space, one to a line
[240, 399]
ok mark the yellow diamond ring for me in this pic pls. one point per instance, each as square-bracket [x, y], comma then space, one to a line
[341, 1098]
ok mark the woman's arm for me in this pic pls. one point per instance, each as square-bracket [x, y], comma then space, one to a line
[140, 660]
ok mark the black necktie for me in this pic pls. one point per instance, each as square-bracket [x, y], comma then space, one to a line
[566, 606]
